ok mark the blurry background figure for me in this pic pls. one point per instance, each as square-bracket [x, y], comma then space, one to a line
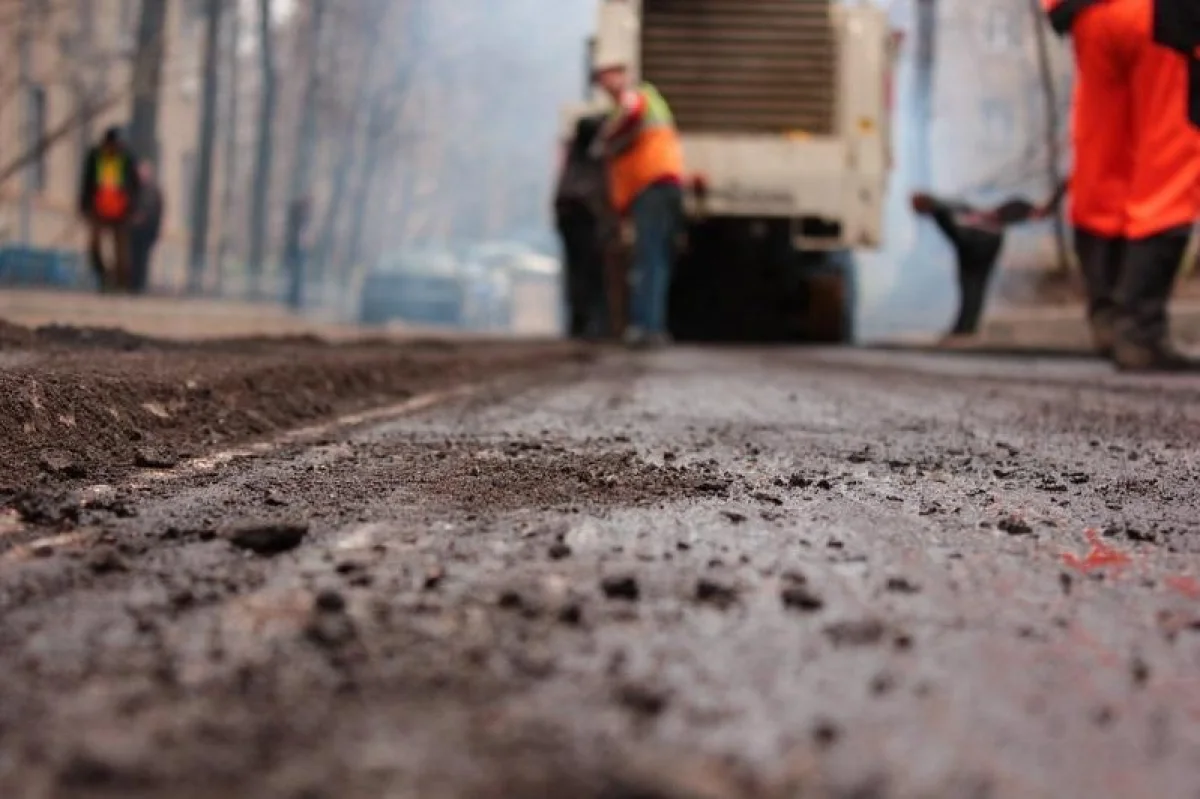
[108, 197]
[587, 228]
[977, 236]
[147, 226]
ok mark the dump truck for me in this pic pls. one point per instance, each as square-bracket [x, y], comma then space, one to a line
[784, 111]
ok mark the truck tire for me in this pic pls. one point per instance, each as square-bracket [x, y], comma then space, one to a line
[832, 300]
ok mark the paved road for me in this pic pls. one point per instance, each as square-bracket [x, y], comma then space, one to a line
[714, 574]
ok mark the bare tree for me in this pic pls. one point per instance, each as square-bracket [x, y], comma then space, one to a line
[146, 80]
[302, 171]
[233, 69]
[202, 185]
[368, 35]
[261, 181]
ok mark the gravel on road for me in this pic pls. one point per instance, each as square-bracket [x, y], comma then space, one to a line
[689, 574]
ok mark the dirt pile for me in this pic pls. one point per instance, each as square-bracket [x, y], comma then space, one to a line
[79, 404]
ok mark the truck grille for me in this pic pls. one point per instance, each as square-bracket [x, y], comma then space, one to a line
[742, 66]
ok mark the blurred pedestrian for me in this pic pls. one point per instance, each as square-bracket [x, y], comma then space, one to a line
[977, 236]
[108, 197]
[586, 226]
[1135, 184]
[147, 226]
[645, 176]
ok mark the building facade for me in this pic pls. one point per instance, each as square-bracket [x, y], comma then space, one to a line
[77, 59]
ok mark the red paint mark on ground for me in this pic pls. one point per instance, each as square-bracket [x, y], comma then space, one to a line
[1188, 586]
[1100, 556]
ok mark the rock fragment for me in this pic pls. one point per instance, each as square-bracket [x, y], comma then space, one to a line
[621, 586]
[155, 458]
[715, 593]
[862, 632]
[1015, 525]
[62, 464]
[267, 539]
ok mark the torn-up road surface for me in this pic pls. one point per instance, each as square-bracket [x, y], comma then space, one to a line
[688, 574]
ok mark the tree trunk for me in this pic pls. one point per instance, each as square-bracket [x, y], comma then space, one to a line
[202, 185]
[146, 83]
[261, 182]
[1053, 154]
[348, 145]
[364, 187]
[302, 163]
[232, 120]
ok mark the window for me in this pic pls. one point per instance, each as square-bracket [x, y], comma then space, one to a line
[1001, 29]
[35, 134]
[999, 123]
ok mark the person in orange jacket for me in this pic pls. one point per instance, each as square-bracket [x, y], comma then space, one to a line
[1135, 184]
[645, 169]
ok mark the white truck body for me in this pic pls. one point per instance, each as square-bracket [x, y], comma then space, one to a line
[783, 106]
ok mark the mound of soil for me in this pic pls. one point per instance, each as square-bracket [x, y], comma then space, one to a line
[80, 404]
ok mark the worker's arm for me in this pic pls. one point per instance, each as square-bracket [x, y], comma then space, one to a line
[621, 130]
[942, 213]
[1051, 206]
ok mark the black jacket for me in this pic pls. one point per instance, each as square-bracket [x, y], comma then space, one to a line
[582, 188]
[148, 224]
[1064, 13]
[1177, 25]
[87, 187]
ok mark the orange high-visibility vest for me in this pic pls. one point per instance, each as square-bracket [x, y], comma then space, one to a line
[656, 154]
[112, 198]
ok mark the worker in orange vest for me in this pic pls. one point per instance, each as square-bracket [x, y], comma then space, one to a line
[1135, 185]
[108, 198]
[645, 168]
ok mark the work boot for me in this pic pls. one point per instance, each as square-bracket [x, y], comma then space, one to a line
[1100, 261]
[1130, 357]
[1141, 329]
[635, 338]
[1104, 334]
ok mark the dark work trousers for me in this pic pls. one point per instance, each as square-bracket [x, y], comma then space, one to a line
[1147, 277]
[1100, 261]
[141, 252]
[657, 215]
[116, 278]
[583, 253]
[976, 250]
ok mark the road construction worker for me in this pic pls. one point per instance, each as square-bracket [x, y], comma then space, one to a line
[977, 236]
[1135, 184]
[586, 226]
[645, 173]
[108, 198]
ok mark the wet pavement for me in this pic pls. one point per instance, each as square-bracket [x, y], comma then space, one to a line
[726, 573]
